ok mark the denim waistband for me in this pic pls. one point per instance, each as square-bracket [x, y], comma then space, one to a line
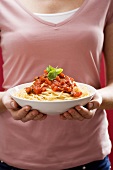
[96, 165]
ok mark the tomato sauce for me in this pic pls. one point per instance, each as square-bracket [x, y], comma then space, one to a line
[62, 83]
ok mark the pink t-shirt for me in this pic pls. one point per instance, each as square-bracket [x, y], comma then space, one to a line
[29, 44]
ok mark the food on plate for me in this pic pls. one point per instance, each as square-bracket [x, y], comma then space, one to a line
[53, 85]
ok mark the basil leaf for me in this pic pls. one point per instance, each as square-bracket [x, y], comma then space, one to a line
[53, 72]
[50, 68]
[52, 75]
[59, 70]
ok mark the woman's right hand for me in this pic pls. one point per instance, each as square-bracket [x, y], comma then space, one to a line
[21, 113]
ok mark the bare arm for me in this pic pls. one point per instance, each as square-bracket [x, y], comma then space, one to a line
[107, 92]
[2, 107]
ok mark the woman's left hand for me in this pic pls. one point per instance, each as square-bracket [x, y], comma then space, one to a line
[81, 112]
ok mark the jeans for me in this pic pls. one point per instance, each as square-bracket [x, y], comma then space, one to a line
[4, 166]
[96, 165]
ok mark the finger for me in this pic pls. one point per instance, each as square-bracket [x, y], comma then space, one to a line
[85, 112]
[14, 105]
[95, 102]
[93, 105]
[30, 115]
[9, 102]
[21, 113]
[40, 117]
[67, 116]
[74, 113]
[63, 117]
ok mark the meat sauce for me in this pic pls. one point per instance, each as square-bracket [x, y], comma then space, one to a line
[62, 83]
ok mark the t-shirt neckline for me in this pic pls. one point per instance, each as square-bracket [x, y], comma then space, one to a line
[47, 22]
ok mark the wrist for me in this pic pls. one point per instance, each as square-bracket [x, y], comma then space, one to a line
[2, 106]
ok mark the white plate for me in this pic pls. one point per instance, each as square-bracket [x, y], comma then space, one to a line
[52, 107]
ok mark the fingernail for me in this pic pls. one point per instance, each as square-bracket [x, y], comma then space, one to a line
[27, 109]
[90, 105]
[35, 113]
[12, 104]
[78, 107]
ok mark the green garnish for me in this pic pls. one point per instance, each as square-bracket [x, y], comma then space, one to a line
[53, 72]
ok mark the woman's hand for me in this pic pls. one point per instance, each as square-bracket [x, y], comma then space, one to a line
[21, 113]
[80, 112]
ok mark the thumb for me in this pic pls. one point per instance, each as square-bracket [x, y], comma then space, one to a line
[9, 102]
[13, 104]
[95, 102]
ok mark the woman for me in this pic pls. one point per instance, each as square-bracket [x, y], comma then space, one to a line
[68, 34]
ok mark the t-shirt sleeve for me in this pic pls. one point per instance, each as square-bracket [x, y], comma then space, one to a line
[109, 19]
